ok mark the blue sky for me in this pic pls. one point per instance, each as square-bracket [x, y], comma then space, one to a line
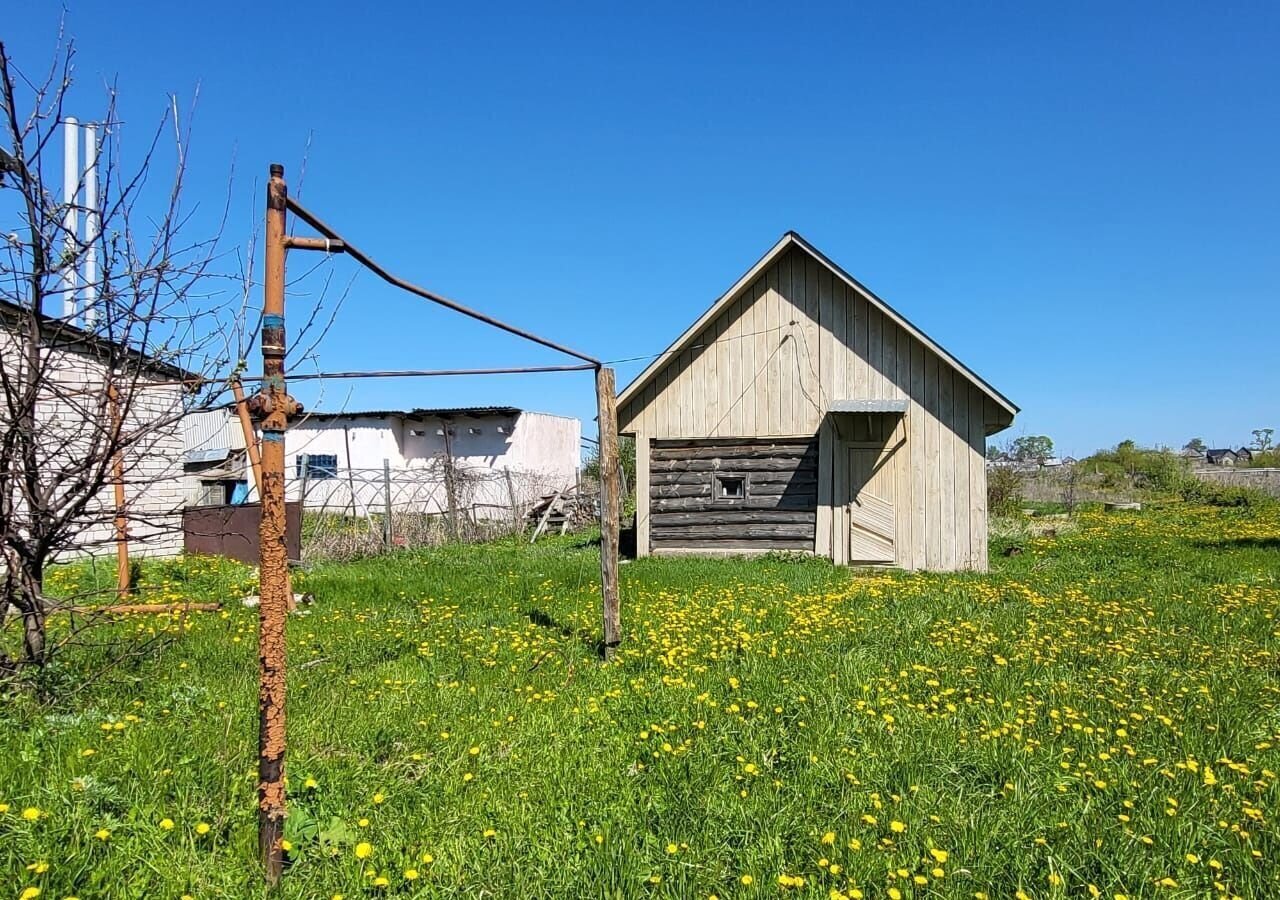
[1081, 201]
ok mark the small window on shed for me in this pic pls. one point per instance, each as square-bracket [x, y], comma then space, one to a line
[730, 487]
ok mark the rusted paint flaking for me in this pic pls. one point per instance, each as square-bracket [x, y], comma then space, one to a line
[274, 405]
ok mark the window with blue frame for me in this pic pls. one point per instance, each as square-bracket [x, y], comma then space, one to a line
[317, 465]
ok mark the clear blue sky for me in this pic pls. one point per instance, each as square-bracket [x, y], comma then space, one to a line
[1082, 201]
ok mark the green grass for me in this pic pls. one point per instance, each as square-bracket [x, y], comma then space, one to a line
[1100, 710]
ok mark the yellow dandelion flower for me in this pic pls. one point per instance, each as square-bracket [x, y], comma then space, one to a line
[829, 838]
[202, 828]
[364, 850]
[166, 824]
[31, 813]
[747, 880]
[897, 827]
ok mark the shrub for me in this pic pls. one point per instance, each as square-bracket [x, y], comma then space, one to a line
[1004, 490]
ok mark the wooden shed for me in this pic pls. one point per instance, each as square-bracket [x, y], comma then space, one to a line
[801, 412]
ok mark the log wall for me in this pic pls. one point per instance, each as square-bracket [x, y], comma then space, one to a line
[777, 512]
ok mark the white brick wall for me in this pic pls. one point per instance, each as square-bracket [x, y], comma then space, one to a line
[67, 420]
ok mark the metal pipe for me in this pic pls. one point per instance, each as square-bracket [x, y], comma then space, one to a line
[70, 215]
[123, 580]
[356, 254]
[92, 224]
[250, 436]
[274, 405]
[310, 243]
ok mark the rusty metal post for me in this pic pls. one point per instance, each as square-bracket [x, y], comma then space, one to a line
[273, 406]
[124, 583]
[250, 436]
[610, 508]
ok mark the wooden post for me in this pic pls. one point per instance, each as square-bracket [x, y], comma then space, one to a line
[123, 582]
[304, 460]
[274, 405]
[387, 535]
[250, 435]
[610, 508]
[450, 487]
[351, 477]
[511, 495]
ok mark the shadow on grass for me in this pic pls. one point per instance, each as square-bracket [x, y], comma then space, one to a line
[1227, 543]
[588, 640]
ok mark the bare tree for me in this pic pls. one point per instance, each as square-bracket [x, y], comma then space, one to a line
[92, 403]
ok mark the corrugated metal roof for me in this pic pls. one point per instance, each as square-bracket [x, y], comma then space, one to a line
[449, 412]
[869, 406]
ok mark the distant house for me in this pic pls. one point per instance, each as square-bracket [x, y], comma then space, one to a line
[479, 456]
[1244, 456]
[215, 463]
[1224, 456]
[1069, 461]
[801, 412]
[1192, 453]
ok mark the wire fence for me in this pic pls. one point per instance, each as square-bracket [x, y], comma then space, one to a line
[355, 512]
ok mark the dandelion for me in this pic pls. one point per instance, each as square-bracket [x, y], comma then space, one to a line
[410, 874]
[31, 813]
[829, 838]
[29, 893]
[673, 848]
[897, 827]
[746, 880]
[202, 828]
[166, 824]
[427, 859]
[102, 834]
[939, 855]
[364, 850]
[489, 833]
[379, 798]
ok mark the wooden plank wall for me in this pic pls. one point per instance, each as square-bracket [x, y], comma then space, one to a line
[794, 341]
[777, 513]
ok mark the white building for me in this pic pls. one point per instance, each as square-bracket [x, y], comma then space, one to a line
[489, 459]
[70, 415]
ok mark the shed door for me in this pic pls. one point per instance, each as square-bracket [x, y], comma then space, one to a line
[872, 522]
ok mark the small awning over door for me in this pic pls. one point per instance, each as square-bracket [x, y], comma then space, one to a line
[869, 406]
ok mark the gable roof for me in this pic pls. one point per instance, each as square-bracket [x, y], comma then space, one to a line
[789, 240]
[59, 334]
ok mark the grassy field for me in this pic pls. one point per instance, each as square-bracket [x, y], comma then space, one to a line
[1100, 716]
